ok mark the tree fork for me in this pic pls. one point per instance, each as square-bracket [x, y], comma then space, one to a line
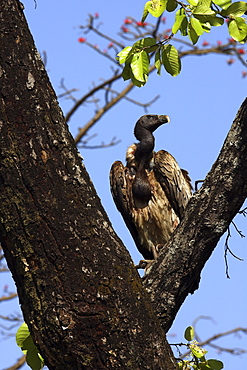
[79, 291]
[210, 211]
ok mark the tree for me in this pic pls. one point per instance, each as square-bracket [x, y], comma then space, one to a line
[105, 298]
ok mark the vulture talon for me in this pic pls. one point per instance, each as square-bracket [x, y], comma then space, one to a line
[144, 264]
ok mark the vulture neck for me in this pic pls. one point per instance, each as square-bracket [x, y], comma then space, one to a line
[144, 148]
[141, 188]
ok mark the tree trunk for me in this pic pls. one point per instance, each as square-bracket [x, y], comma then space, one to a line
[80, 294]
[79, 291]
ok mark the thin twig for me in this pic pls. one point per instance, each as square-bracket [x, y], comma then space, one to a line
[238, 231]
[90, 93]
[101, 112]
[144, 105]
[90, 27]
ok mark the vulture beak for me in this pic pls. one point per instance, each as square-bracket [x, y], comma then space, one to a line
[164, 118]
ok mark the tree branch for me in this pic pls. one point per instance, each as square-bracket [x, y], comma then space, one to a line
[90, 93]
[101, 112]
[208, 215]
[20, 362]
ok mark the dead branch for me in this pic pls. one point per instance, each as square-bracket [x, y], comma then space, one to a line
[9, 297]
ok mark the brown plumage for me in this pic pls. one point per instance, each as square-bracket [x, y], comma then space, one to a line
[151, 191]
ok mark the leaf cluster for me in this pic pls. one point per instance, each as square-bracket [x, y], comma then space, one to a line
[197, 354]
[192, 19]
[25, 341]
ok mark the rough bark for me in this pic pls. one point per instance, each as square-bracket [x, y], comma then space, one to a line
[208, 215]
[80, 294]
[79, 291]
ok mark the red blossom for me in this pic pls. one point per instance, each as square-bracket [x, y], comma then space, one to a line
[241, 51]
[82, 39]
[124, 29]
[96, 46]
[96, 15]
[219, 43]
[230, 61]
[110, 45]
[231, 40]
[141, 24]
[127, 21]
[244, 74]
[205, 43]
[163, 19]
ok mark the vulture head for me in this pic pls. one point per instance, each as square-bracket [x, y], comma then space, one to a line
[144, 128]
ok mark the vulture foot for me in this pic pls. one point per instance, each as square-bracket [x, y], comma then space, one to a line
[144, 264]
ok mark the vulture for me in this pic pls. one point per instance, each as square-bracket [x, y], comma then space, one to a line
[151, 191]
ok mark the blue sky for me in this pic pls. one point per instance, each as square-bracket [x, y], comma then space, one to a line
[202, 102]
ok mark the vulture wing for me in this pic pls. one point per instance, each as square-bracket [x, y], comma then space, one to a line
[175, 182]
[121, 189]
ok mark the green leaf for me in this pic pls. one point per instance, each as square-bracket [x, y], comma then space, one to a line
[206, 26]
[184, 27]
[34, 360]
[177, 24]
[25, 341]
[189, 333]
[192, 34]
[211, 19]
[135, 81]
[203, 8]
[196, 25]
[28, 343]
[204, 3]
[215, 364]
[216, 21]
[193, 2]
[126, 72]
[157, 62]
[236, 9]
[203, 366]
[171, 5]
[140, 65]
[224, 4]
[22, 334]
[171, 60]
[145, 11]
[237, 29]
[124, 54]
[197, 351]
[154, 7]
[143, 43]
